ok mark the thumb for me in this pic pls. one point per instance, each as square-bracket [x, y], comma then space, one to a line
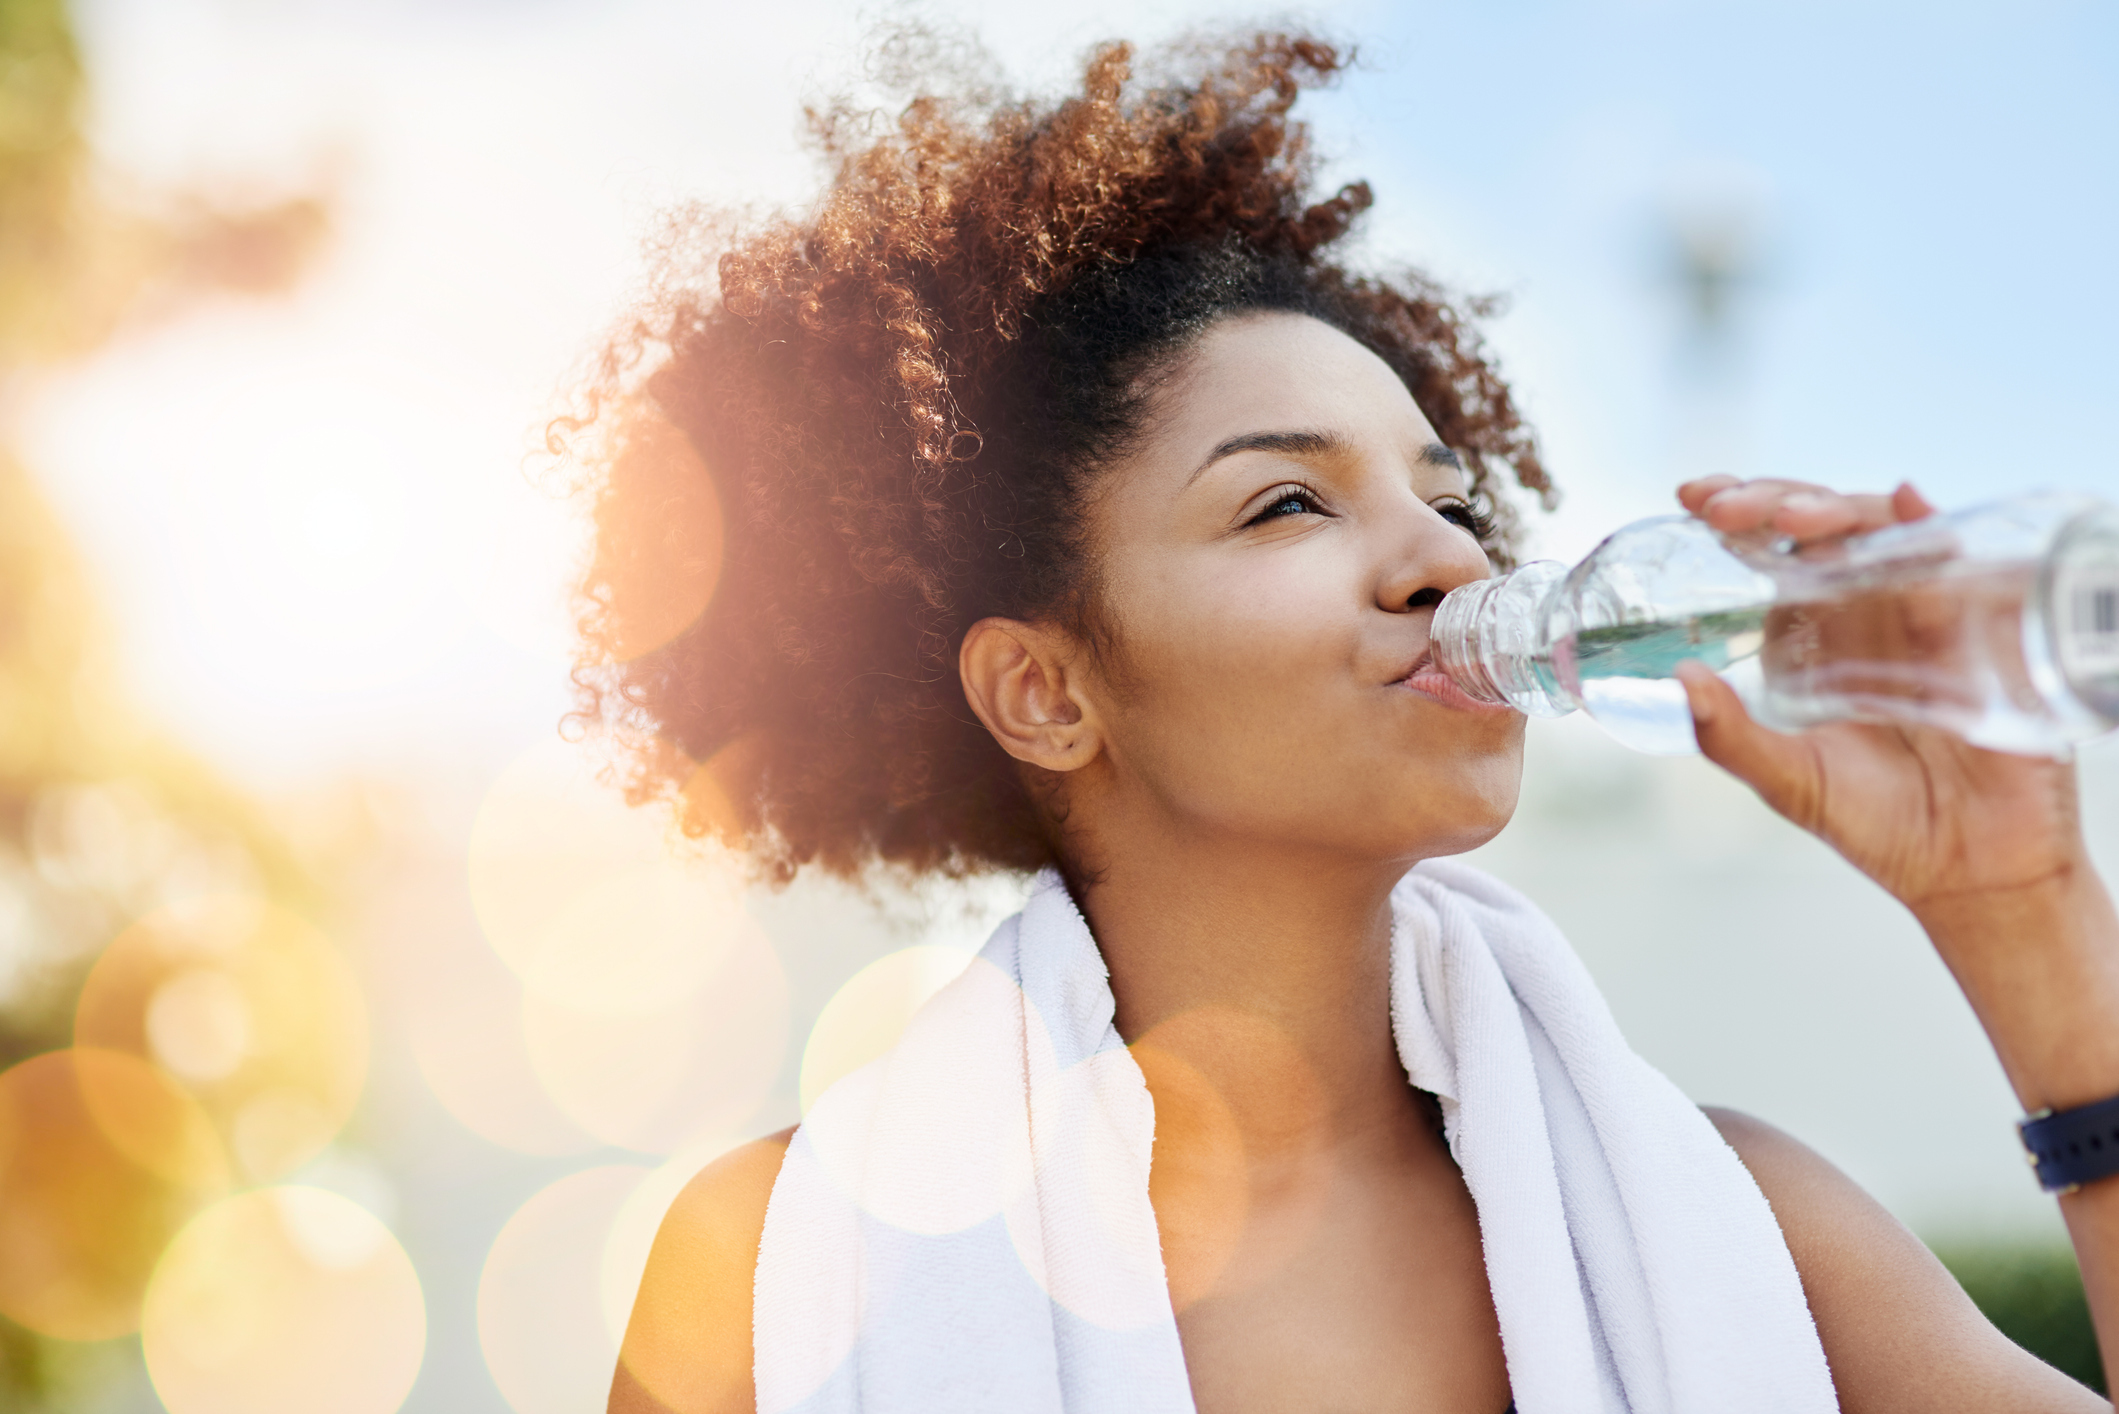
[1780, 767]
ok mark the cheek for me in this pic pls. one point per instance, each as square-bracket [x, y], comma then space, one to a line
[1211, 735]
[1244, 666]
[1256, 705]
[1272, 721]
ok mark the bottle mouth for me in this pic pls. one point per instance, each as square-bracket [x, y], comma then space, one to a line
[1485, 639]
[1453, 642]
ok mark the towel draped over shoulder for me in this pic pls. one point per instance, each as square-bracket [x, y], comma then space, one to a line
[964, 1224]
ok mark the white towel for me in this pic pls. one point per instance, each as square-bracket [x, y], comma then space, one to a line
[964, 1225]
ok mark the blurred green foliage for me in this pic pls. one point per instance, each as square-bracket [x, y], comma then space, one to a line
[41, 96]
[82, 251]
[100, 819]
[2033, 1294]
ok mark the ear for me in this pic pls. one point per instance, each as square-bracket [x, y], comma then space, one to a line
[1022, 680]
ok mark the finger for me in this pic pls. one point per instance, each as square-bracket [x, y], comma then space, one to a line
[1908, 504]
[1744, 507]
[1826, 515]
[1799, 509]
[1780, 767]
[1814, 515]
[1695, 493]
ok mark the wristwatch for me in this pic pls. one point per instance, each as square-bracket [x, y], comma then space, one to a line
[2068, 1148]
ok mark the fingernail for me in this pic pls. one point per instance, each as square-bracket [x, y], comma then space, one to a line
[1802, 501]
[1693, 674]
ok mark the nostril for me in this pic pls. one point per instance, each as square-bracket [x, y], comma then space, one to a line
[1424, 598]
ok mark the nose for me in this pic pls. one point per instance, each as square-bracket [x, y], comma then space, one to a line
[1434, 555]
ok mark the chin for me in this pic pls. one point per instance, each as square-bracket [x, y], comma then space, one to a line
[1467, 807]
[1421, 820]
[1464, 840]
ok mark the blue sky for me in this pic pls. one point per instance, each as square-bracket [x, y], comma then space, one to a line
[1940, 202]
[1935, 186]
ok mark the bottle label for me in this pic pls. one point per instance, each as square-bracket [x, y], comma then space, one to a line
[2089, 609]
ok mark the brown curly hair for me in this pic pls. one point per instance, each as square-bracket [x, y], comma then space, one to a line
[834, 441]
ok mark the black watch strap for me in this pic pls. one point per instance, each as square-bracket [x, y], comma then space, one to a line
[2069, 1148]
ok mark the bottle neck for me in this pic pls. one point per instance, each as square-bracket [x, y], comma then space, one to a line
[1457, 641]
[1488, 638]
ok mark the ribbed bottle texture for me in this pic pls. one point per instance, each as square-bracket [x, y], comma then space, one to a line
[2000, 623]
[1486, 639]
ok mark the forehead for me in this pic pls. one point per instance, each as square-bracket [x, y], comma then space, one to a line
[1274, 370]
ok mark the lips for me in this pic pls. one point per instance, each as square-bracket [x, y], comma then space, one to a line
[1437, 686]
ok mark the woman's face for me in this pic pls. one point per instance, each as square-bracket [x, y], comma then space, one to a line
[1271, 555]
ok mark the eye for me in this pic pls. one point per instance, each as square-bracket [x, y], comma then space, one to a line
[1288, 501]
[1467, 515]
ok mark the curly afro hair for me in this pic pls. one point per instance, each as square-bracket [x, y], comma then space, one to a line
[833, 441]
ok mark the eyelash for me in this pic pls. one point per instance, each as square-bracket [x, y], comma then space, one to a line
[1462, 513]
[1284, 494]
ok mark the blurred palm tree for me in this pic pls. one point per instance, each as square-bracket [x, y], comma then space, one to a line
[99, 819]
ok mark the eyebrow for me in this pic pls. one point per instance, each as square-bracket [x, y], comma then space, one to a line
[1308, 444]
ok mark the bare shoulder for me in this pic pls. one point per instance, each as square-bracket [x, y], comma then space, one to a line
[688, 1346]
[1898, 1331]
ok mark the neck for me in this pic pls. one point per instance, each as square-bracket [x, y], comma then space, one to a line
[1263, 981]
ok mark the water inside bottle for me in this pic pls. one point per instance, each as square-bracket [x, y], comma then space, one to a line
[1950, 651]
[1622, 673]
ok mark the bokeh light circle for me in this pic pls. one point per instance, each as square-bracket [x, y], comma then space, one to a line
[462, 1012]
[541, 1320]
[628, 942]
[102, 1158]
[252, 1009]
[871, 1133]
[656, 1073]
[675, 535]
[633, 1227]
[1118, 1281]
[866, 1016]
[546, 833]
[198, 1024]
[653, 1008]
[284, 1298]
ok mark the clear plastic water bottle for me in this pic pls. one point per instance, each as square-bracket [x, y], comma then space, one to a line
[1999, 623]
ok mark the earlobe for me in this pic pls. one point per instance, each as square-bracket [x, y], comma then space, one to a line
[1019, 678]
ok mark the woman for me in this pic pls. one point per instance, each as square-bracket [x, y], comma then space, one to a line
[1075, 512]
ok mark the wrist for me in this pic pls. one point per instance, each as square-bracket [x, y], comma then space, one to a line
[2072, 1148]
[2040, 965]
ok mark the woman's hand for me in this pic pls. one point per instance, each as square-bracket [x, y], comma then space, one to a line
[1917, 809]
[1984, 847]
